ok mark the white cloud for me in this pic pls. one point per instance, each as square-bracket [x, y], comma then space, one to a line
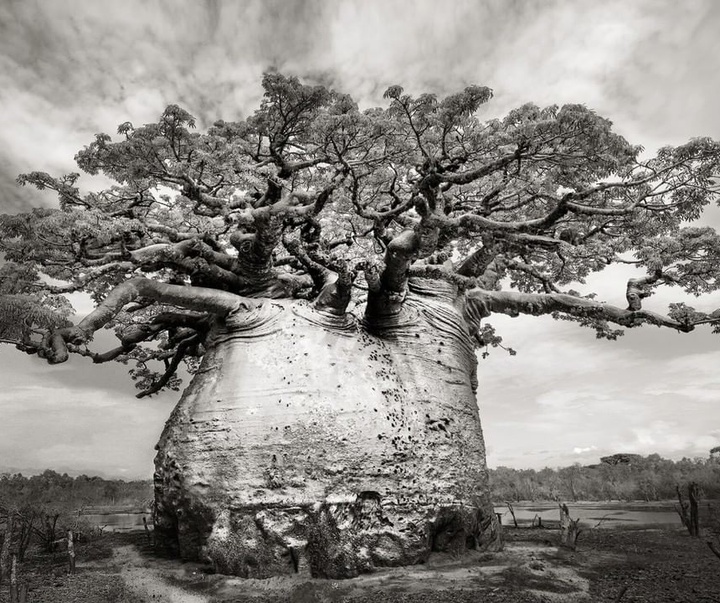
[578, 450]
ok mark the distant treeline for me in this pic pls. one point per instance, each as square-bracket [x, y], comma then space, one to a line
[41, 508]
[616, 477]
[62, 492]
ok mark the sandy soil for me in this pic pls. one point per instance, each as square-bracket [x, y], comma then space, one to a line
[149, 582]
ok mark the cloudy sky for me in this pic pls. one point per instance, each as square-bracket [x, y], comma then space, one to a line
[70, 69]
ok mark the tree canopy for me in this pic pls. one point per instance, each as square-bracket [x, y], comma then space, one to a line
[310, 197]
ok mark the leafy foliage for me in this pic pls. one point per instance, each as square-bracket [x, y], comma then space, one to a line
[24, 308]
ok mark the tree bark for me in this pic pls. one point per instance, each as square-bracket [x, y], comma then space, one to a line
[315, 443]
[71, 552]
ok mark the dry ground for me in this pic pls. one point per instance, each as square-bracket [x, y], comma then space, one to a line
[647, 565]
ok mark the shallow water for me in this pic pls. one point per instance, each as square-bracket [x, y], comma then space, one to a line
[590, 515]
[118, 522]
[595, 515]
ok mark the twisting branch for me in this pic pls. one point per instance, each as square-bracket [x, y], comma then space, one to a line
[480, 303]
[267, 221]
[193, 298]
[191, 256]
[562, 206]
[640, 288]
[172, 366]
[401, 252]
[335, 296]
[138, 333]
[386, 296]
[478, 261]
[319, 273]
[333, 280]
[470, 175]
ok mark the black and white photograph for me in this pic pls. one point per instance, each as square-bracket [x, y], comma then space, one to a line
[347, 301]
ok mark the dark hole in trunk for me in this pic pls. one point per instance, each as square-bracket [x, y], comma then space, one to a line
[448, 533]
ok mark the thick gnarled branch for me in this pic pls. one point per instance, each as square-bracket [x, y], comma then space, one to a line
[333, 282]
[192, 298]
[387, 294]
[401, 252]
[267, 222]
[481, 303]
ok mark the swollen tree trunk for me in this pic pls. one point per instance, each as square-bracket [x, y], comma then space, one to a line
[325, 445]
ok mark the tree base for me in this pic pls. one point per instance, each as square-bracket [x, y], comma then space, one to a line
[328, 540]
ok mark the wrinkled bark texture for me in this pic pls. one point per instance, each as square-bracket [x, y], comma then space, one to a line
[324, 445]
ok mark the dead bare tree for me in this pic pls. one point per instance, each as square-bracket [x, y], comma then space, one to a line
[688, 511]
[148, 534]
[712, 529]
[569, 528]
[512, 512]
[18, 589]
[5, 550]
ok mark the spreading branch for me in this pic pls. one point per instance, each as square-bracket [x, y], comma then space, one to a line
[480, 303]
[192, 298]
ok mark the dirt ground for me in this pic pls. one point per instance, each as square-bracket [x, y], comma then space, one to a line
[620, 564]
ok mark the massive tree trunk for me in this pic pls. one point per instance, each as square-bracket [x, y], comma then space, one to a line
[319, 444]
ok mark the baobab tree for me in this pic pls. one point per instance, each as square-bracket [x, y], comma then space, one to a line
[325, 273]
